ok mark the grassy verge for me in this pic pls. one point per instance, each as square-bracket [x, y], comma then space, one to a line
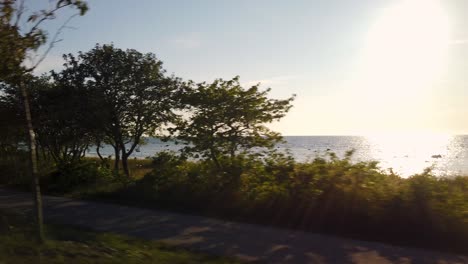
[69, 245]
[137, 167]
[331, 196]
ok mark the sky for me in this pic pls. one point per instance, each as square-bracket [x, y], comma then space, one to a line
[357, 67]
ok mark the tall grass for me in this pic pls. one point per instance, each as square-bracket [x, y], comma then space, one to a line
[327, 194]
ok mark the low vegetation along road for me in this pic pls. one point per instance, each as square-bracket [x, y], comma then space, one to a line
[245, 241]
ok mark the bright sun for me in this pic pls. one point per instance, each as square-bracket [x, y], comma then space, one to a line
[404, 54]
[408, 43]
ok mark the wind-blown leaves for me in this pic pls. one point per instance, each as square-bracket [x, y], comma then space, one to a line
[226, 119]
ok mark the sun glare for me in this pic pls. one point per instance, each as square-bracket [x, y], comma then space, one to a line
[408, 43]
[404, 54]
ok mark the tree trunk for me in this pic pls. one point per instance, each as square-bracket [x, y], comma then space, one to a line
[126, 154]
[215, 159]
[117, 160]
[125, 165]
[33, 165]
[98, 147]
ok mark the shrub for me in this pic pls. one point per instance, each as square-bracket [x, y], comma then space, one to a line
[79, 174]
[326, 194]
[166, 177]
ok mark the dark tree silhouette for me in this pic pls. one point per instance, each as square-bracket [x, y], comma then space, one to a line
[19, 37]
[131, 94]
[226, 119]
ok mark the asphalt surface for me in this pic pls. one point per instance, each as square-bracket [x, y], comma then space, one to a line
[245, 241]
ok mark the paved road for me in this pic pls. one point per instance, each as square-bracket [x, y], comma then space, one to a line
[248, 242]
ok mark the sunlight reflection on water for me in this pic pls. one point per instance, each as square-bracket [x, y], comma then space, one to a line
[405, 154]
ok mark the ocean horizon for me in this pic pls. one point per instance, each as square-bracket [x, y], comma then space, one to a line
[405, 154]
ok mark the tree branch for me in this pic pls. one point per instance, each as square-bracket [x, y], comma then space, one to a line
[53, 42]
[19, 13]
[47, 16]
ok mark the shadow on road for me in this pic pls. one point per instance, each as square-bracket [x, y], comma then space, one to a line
[246, 241]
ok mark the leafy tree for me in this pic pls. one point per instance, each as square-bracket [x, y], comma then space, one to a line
[19, 37]
[60, 117]
[11, 126]
[226, 119]
[133, 96]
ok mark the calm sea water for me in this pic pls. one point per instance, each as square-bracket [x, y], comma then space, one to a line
[405, 154]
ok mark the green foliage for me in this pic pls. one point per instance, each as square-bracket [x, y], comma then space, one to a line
[61, 117]
[18, 39]
[60, 114]
[442, 202]
[130, 93]
[226, 120]
[11, 125]
[79, 174]
[114, 96]
[327, 194]
[268, 181]
[20, 35]
[13, 168]
[199, 181]
[76, 246]
[165, 160]
[172, 175]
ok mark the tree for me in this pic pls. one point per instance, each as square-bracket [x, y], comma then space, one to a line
[19, 38]
[11, 125]
[60, 116]
[226, 120]
[132, 94]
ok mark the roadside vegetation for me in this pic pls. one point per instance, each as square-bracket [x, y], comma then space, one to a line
[328, 194]
[71, 245]
[229, 166]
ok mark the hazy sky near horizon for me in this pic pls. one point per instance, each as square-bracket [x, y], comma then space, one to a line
[357, 67]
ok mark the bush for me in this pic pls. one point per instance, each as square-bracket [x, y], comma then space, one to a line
[83, 173]
[166, 175]
[14, 168]
[191, 184]
[327, 194]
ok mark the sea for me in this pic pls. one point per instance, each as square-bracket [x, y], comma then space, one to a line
[405, 154]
